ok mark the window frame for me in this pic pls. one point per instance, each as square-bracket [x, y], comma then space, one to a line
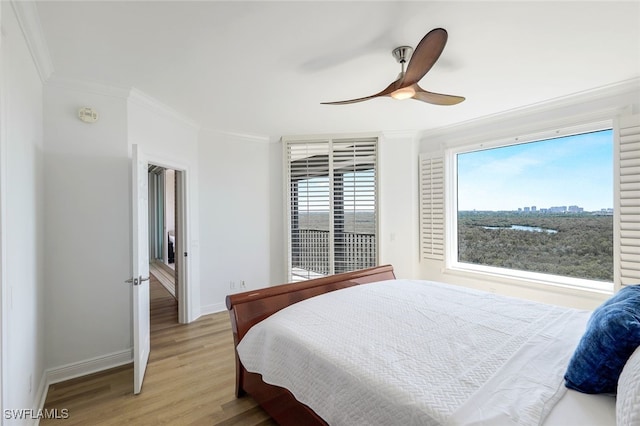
[330, 140]
[454, 266]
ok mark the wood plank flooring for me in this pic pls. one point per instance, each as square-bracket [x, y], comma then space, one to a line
[190, 379]
[165, 275]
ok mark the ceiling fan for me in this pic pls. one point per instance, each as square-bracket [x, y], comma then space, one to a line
[406, 85]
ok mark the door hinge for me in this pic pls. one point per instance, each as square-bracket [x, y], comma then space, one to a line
[185, 254]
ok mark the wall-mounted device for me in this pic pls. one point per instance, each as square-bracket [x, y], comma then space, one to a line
[88, 114]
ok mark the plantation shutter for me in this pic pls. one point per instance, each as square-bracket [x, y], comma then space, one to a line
[354, 204]
[431, 207]
[331, 206]
[309, 209]
[628, 209]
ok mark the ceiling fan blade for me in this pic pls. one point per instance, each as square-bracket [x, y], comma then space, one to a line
[435, 98]
[389, 89]
[425, 55]
[350, 101]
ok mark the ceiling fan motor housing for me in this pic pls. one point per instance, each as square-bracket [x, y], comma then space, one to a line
[402, 53]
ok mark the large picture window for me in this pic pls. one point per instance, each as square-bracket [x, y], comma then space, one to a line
[542, 207]
[331, 206]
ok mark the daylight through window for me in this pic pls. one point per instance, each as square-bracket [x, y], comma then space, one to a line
[331, 206]
[541, 207]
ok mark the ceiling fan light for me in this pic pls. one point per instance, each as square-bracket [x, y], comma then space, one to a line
[403, 93]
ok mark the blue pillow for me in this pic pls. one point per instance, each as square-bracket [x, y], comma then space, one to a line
[612, 335]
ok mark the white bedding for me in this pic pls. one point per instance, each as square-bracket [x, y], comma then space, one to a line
[577, 408]
[405, 352]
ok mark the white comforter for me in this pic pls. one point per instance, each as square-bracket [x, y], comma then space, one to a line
[404, 352]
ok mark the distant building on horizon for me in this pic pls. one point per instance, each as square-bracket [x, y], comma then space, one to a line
[558, 209]
[550, 210]
[561, 209]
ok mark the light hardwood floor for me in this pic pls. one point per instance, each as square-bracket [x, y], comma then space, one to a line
[165, 275]
[190, 379]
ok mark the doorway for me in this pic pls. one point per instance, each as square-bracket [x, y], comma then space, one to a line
[166, 231]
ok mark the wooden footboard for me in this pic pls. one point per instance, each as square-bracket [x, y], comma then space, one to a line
[248, 308]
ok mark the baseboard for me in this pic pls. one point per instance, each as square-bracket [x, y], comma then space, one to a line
[89, 366]
[212, 309]
[41, 396]
[78, 369]
[33, 416]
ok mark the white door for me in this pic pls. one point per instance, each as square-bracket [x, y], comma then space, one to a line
[140, 261]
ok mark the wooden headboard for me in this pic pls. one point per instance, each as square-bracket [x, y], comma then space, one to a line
[248, 308]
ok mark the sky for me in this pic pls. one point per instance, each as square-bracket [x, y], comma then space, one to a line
[566, 171]
[358, 192]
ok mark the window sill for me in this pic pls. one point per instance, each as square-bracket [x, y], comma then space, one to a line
[531, 280]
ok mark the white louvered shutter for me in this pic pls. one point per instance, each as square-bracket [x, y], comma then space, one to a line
[331, 186]
[309, 209]
[354, 204]
[628, 210]
[431, 207]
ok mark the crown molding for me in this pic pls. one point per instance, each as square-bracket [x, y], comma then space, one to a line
[26, 13]
[597, 104]
[132, 95]
[245, 137]
[140, 98]
[86, 86]
[401, 134]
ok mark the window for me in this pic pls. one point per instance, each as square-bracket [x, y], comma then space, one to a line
[331, 206]
[541, 207]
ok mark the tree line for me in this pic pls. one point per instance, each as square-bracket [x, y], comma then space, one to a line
[581, 248]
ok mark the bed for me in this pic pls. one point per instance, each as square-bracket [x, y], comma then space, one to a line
[448, 355]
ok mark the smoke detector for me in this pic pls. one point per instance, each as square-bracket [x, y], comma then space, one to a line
[88, 115]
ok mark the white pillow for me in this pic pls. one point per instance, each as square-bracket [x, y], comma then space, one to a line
[628, 399]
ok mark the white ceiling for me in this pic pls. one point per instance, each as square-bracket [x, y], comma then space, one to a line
[264, 67]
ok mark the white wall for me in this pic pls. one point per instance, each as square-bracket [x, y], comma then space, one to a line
[21, 177]
[87, 167]
[277, 210]
[170, 140]
[398, 202]
[235, 207]
[88, 220]
[88, 230]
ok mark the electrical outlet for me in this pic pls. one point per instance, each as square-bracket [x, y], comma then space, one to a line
[242, 284]
[232, 285]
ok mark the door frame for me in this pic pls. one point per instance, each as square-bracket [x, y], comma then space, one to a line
[182, 201]
[3, 214]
